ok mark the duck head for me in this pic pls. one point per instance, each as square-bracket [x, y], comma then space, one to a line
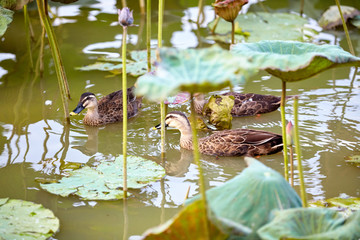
[177, 120]
[87, 100]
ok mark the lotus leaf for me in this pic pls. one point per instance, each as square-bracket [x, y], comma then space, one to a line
[294, 61]
[193, 70]
[187, 224]
[104, 182]
[344, 205]
[311, 223]
[262, 26]
[331, 17]
[220, 111]
[249, 198]
[26, 220]
[135, 66]
[6, 17]
[356, 21]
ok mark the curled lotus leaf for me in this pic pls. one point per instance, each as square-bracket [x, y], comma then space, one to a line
[106, 180]
[249, 198]
[193, 70]
[331, 17]
[220, 111]
[26, 220]
[346, 206]
[294, 61]
[311, 223]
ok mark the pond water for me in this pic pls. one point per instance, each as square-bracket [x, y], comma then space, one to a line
[35, 142]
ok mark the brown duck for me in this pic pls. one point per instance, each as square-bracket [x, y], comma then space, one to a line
[246, 104]
[234, 142]
[108, 109]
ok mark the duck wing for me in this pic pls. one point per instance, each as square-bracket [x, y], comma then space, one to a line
[250, 104]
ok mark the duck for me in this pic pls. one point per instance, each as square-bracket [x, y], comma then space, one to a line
[246, 104]
[233, 142]
[108, 109]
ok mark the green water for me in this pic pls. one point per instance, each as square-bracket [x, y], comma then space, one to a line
[35, 143]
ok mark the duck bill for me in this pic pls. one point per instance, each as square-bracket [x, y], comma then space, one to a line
[159, 126]
[77, 110]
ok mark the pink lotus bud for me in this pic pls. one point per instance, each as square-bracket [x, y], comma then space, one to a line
[125, 17]
[289, 133]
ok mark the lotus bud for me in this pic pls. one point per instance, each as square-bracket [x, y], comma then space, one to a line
[125, 17]
[228, 9]
[289, 133]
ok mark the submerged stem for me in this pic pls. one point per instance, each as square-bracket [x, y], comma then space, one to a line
[232, 32]
[283, 121]
[28, 37]
[298, 153]
[124, 91]
[198, 163]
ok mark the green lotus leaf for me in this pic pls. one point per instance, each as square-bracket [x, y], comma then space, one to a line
[311, 223]
[331, 17]
[254, 27]
[193, 70]
[26, 220]
[249, 198]
[6, 17]
[344, 205]
[187, 224]
[220, 111]
[104, 181]
[135, 66]
[294, 61]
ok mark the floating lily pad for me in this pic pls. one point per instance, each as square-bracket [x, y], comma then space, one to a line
[26, 220]
[135, 66]
[294, 61]
[262, 26]
[220, 108]
[104, 181]
[193, 70]
[344, 205]
[187, 224]
[6, 17]
[355, 159]
[249, 198]
[311, 223]
[331, 17]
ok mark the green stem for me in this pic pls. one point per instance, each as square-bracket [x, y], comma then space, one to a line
[298, 153]
[142, 6]
[301, 8]
[148, 33]
[198, 163]
[27, 33]
[215, 24]
[124, 3]
[60, 71]
[283, 121]
[232, 32]
[201, 10]
[124, 91]
[292, 164]
[162, 104]
[345, 29]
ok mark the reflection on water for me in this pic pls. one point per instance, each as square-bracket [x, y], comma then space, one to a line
[36, 143]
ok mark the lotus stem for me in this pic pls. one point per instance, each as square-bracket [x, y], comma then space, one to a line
[201, 11]
[283, 121]
[148, 33]
[345, 29]
[142, 6]
[232, 32]
[123, 3]
[124, 91]
[215, 24]
[298, 153]
[27, 33]
[292, 164]
[198, 163]
[41, 52]
[60, 71]
[301, 8]
[162, 104]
